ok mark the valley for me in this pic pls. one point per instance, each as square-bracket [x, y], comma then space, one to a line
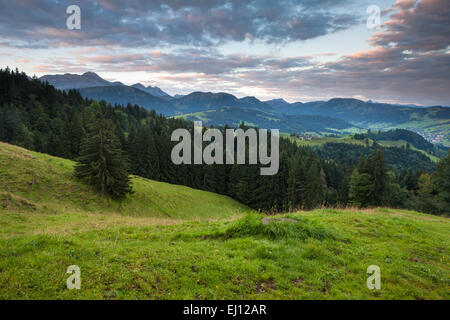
[319, 117]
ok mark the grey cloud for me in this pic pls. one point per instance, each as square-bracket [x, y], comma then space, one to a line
[147, 23]
[414, 70]
[204, 61]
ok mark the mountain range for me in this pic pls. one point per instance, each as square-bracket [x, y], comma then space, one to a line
[335, 115]
[91, 79]
[75, 81]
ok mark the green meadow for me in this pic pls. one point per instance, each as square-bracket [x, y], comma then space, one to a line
[172, 242]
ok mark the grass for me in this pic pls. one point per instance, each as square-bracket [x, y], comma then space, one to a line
[226, 253]
[47, 183]
[403, 143]
[321, 255]
[319, 141]
[429, 128]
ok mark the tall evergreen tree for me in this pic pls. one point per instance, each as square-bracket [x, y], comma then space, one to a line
[101, 162]
[313, 195]
[427, 193]
[441, 180]
[76, 135]
[378, 172]
[296, 183]
[361, 188]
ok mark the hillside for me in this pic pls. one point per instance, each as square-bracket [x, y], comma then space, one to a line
[399, 139]
[233, 116]
[169, 242]
[347, 150]
[37, 183]
[432, 122]
[124, 95]
[366, 113]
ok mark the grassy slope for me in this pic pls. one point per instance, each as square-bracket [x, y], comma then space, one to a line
[322, 140]
[427, 127]
[350, 140]
[317, 255]
[402, 143]
[34, 180]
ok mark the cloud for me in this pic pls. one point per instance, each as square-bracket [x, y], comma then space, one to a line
[417, 25]
[408, 61]
[147, 23]
[199, 61]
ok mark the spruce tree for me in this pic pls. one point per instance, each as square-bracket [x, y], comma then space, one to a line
[296, 183]
[101, 162]
[379, 176]
[313, 194]
[441, 179]
[427, 193]
[76, 135]
[361, 188]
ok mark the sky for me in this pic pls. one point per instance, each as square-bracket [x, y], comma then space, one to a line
[299, 50]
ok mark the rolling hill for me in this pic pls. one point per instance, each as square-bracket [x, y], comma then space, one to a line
[207, 101]
[42, 184]
[365, 113]
[402, 148]
[172, 242]
[433, 123]
[124, 95]
[270, 120]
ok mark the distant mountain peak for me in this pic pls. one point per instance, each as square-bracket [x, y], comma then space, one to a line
[139, 86]
[345, 100]
[250, 98]
[154, 91]
[276, 103]
[90, 73]
[75, 81]
[280, 100]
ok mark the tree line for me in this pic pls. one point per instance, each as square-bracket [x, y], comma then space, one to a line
[110, 142]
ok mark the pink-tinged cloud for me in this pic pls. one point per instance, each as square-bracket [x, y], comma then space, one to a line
[420, 26]
[408, 60]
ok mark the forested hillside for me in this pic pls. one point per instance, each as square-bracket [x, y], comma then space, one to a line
[396, 158]
[36, 116]
[124, 94]
[357, 111]
[430, 122]
[410, 138]
[233, 116]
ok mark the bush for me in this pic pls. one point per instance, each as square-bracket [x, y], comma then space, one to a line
[286, 227]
